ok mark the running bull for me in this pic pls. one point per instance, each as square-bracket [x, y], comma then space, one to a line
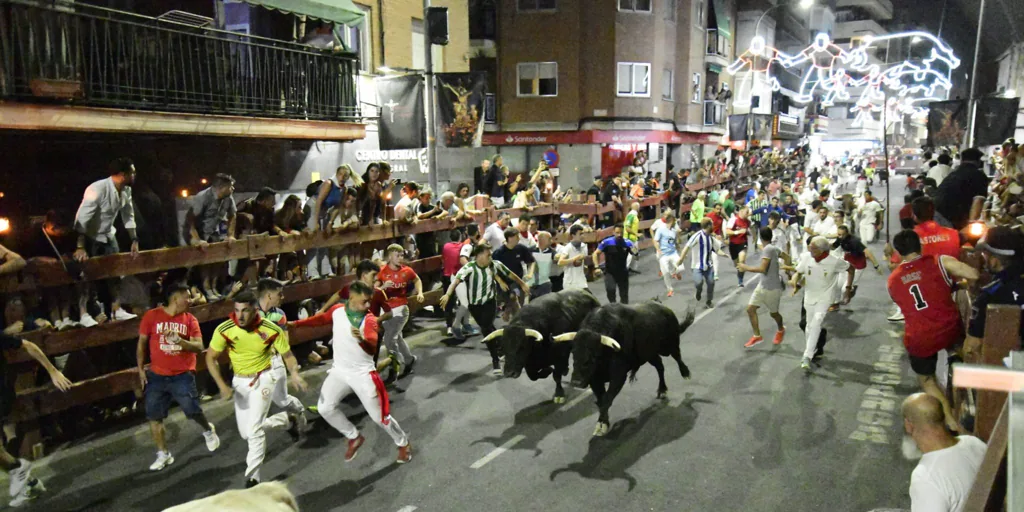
[616, 340]
[528, 343]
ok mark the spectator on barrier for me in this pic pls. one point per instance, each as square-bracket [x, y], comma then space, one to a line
[330, 196]
[947, 465]
[23, 486]
[956, 194]
[942, 169]
[103, 201]
[449, 210]
[519, 259]
[260, 210]
[494, 236]
[497, 181]
[1002, 248]
[407, 208]
[308, 222]
[594, 192]
[18, 318]
[156, 211]
[171, 337]
[211, 218]
[289, 221]
[48, 241]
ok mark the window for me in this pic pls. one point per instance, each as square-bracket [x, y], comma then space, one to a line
[357, 39]
[670, 10]
[695, 97]
[634, 79]
[537, 5]
[698, 14]
[635, 5]
[538, 78]
[668, 85]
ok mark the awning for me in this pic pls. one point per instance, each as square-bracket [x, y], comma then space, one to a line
[336, 11]
[722, 18]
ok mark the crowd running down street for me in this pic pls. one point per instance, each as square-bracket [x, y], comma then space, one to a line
[797, 235]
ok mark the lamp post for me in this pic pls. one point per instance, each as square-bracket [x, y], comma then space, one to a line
[428, 47]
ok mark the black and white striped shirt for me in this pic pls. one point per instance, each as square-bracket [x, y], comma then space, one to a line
[480, 283]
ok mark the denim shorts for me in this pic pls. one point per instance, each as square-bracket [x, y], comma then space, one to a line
[162, 391]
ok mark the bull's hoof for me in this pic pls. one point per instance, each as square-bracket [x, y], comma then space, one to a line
[559, 399]
[601, 429]
[663, 395]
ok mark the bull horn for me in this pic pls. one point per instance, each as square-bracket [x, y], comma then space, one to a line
[493, 335]
[608, 341]
[569, 336]
[536, 335]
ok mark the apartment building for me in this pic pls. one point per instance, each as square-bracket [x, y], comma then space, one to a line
[596, 81]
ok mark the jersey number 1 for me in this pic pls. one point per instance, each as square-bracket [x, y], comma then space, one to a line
[919, 302]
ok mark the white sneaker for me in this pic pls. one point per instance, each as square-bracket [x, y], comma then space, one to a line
[87, 320]
[20, 477]
[31, 491]
[163, 459]
[61, 324]
[896, 317]
[212, 441]
[120, 315]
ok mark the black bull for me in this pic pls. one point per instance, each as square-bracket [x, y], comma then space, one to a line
[527, 341]
[614, 341]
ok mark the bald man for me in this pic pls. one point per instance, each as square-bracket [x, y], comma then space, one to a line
[945, 473]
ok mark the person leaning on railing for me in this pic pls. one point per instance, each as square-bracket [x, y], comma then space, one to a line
[211, 218]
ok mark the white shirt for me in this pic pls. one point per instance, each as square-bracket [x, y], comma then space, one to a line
[466, 251]
[943, 478]
[494, 235]
[574, 278]
[658, 224]
[100, 205]
[822, 280]
[348, 355]
[404, 206]
[939, 173]
[806, 198]
[703, 248]
[869, 211]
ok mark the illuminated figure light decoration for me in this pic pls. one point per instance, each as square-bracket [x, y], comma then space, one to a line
[823, 76]
[929, 77]
[757, 60]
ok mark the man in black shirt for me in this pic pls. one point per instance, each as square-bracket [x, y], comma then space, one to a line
[956, 193]
[497, 181]
[23, 486]
[595, 189]
[616, 250]
[517, 258]
[1003, 250]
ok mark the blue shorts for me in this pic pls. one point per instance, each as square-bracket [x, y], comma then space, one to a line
[162, 390]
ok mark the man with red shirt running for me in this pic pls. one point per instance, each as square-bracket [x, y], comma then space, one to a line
[393, 281]
[171, 337]
[355, 343]
[736, 230]
[922, 287]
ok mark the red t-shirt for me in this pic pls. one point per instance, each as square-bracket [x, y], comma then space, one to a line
[907, 213]
[740, 224]
[450, 258]
[166, 358]
[378, 305]
[716, 221]
[395, 284]
[937, 240]
[924, 293]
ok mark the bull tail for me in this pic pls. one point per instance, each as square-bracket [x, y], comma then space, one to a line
[687, 322]
[632, 375]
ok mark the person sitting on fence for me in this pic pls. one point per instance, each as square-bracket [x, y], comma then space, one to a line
[331, 193]
[211, 218]
[103, 201]
[52, 238]
[289, 221]
[23, 486]
[343, 218]
[407, 208]
[171, 337]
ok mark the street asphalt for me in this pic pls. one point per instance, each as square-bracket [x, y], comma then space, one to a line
[749, 432]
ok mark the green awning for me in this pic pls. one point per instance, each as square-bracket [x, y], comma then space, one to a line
[336, 11]
[722, 18]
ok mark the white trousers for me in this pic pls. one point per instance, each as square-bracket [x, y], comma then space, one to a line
[253, 397]
[815, 321]
[280, 396]
[867, 231]
[715, 264]
[394, 340]
[795, 243]
[668, 267]
[340, 383]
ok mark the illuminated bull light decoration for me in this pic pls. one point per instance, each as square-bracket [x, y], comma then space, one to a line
[828, 74]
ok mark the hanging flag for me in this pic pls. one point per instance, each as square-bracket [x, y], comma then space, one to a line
[460, 109]
[738, 127]
[995, 121]
[947, 123]
[402, 121]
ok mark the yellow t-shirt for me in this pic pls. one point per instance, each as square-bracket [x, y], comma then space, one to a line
[250, 351]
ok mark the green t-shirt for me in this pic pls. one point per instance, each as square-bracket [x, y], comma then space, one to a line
[729, 206]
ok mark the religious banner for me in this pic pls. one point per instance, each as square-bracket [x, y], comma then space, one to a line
[995, 121]
[738, 127]
[460, 109]
[947, 123]
[402, 121]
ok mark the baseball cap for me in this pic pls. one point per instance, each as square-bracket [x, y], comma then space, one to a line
[1002, 241]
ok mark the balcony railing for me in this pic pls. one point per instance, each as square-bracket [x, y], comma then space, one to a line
[718, 44]
[714, 113]
[62, 50]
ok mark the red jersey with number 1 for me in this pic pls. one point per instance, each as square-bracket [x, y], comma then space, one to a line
[395, 284]
[924, 292]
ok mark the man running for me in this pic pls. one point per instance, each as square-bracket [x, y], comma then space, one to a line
[271, 295]
[572, 257]
[922, 286]
[170, 335]
[856, 254]
[820, 273]
[631, 231]
[705, 246]
[736, 230]
[616, 249]
[246, 336]
[355, 342]
[393, 280]
[666, 240]
[769, 290]
[480, 276]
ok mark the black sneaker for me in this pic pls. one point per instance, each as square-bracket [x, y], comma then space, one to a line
[709, 305]
[699, 290]
[251, 483]
[408, 367]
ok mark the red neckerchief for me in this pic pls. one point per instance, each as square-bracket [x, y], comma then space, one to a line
[256, 321]
[819, 258]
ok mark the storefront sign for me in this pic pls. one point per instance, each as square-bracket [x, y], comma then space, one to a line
[401, 160]
[598, 137]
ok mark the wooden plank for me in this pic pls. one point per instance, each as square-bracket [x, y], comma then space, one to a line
[426, 226]
[1002, 335]
[577, 208]
[653, 200]
[988, 491]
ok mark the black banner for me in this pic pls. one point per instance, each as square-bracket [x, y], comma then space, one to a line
[460, 109]
[402, 117]
[947, 123]
[738, 127]
[995, 121]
